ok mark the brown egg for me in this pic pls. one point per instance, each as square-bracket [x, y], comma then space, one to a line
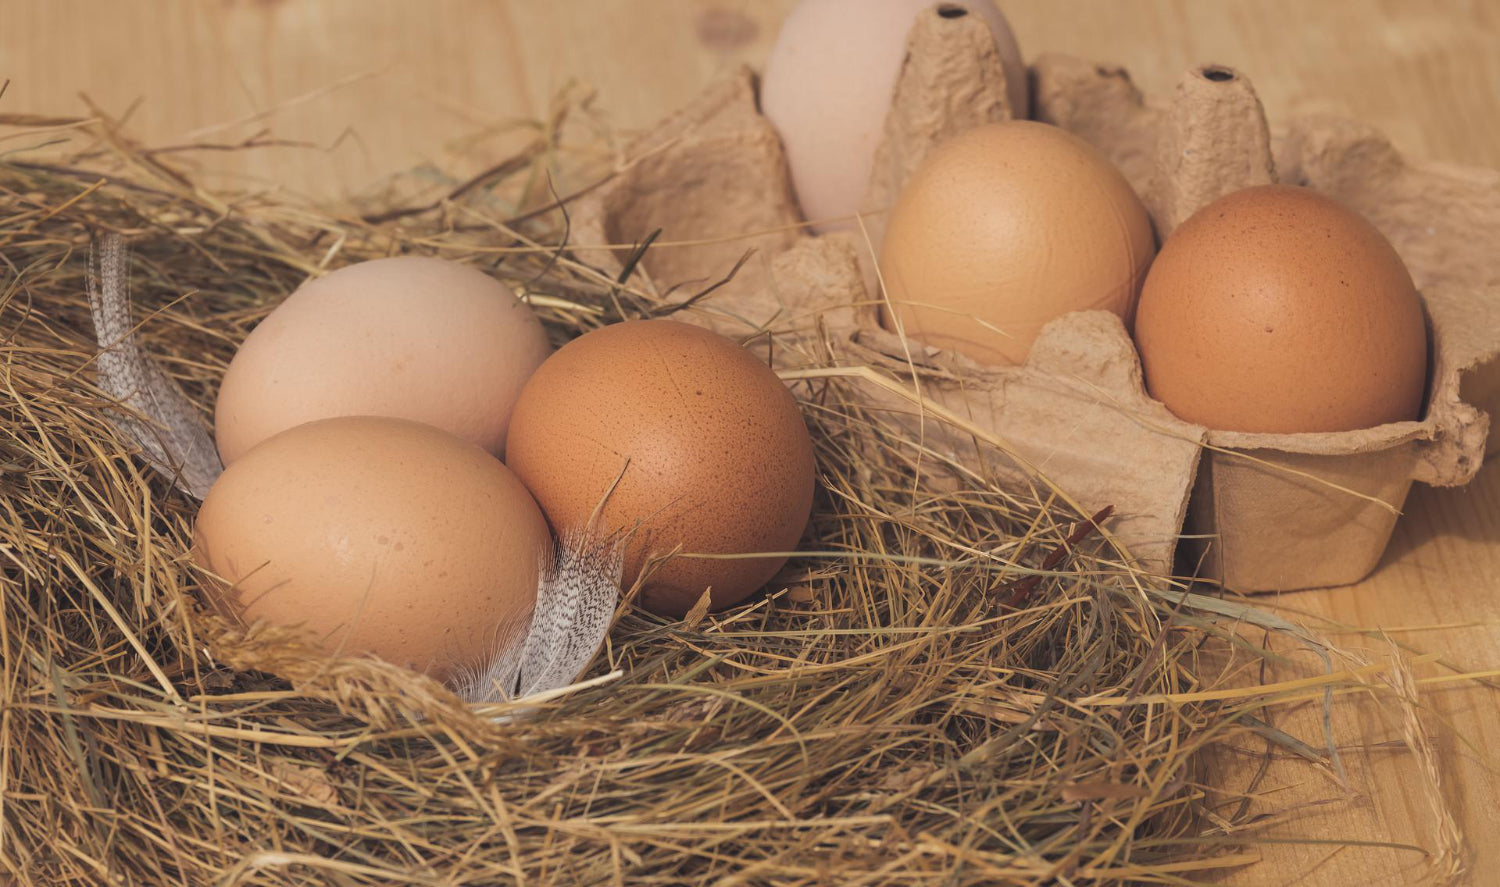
[1276, 309]
[1005, 228]
[714, 454]
[409, 337]
[380, 536]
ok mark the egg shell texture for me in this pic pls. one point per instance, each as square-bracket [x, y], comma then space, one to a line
[714, 454]
[828, 84]
[1005, 228]
[409, 337]
[380, 536]
[1276, 309]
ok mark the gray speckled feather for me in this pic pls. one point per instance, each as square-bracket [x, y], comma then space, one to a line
[155, 413]
[575, 601]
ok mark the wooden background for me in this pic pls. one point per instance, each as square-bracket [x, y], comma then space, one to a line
[382, 85]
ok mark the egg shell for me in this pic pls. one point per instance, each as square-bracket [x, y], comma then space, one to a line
[409, 337]
[1007, 227]
[708, 447]
[379, 536]
[1276, 309]
[828, 84]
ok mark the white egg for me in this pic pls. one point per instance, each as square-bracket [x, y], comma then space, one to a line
[828, 85]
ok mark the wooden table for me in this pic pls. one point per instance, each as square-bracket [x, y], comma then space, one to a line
[381, 85]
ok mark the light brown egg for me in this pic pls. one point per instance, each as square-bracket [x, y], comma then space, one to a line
[1005, 228]
[409, 337]
[707, 444]
[828, 85]
[1276, 309]
[379, 536]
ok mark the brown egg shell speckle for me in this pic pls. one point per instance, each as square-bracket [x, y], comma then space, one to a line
[1078, 407]
[682, 441]
[1277, 309]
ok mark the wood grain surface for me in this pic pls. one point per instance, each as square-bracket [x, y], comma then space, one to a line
[378, 86]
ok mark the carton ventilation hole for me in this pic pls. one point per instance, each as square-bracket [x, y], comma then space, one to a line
[952, 10]
[1217, 74]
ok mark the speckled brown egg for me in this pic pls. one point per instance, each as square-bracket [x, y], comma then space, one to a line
[409, 337]
[1005, 228]
[708, 446]
[379, 536]
[1277, 309]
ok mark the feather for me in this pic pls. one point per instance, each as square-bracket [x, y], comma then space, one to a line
[575, 603]
[153, 412]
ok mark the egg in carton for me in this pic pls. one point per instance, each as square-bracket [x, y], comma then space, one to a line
[1279, 511]
[1289, 511]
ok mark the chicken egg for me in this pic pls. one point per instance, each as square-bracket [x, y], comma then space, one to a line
[1004, 228]
[828, 85]
[685, 439]
[409, 337]
[1276, 309]
[377, 536]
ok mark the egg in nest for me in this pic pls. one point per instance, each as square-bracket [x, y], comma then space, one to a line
[407, 337]
[675, 439]
[377, 536]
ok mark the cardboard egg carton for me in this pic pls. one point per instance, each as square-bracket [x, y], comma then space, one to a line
[1273, 512]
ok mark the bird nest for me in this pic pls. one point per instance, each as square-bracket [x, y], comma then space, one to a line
[957, 681]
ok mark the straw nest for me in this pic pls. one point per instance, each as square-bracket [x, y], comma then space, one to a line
[956, 684]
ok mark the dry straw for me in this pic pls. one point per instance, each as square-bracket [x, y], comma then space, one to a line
[954, 684]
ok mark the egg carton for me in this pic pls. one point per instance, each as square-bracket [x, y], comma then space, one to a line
[1269, 511]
